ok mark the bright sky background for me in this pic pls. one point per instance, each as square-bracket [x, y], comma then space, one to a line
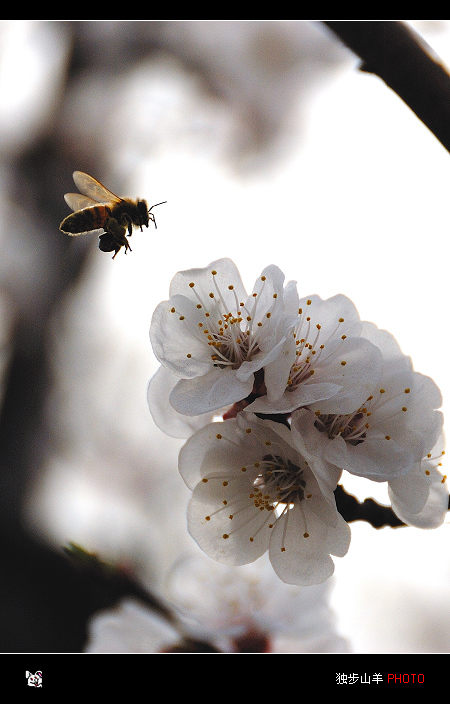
[359, 206]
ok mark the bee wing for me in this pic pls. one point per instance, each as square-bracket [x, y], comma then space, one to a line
[76, 201]
[90, 187]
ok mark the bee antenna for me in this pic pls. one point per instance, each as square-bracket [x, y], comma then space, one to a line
[154, 206]
[152, 217]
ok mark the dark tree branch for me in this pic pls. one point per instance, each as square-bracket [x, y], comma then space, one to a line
[369, 510]
[390, 50]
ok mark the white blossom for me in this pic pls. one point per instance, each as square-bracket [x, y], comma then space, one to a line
[324, 358]
[222, 350]
[390, 432]
[254, 488]
[215, 338]
[421, 498]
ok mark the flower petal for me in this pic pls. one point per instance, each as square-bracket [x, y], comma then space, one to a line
[165, 416]
[204, 394]
[303, 395]
[226, 274]
[223, 520]
[356, 368]
[422, 498]
[177, 339]
[306, 560]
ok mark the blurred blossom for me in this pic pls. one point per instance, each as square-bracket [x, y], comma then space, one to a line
[152, 108]
[233, 606]
[231, 90]
[130, 628]
[234, 610]
[263, 70]
[110, 473]
[33, 61]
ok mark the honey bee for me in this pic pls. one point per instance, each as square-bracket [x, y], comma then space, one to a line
[96, 209]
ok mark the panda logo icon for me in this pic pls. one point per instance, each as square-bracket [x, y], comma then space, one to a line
[34, 680]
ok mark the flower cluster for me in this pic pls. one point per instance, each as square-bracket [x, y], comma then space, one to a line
[276, 396]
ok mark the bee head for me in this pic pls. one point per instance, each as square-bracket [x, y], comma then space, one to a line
[143, 213]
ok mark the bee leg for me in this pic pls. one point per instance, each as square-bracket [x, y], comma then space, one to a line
[127, 223]
[118, 234]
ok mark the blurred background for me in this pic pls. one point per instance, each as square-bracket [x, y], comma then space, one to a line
[270, 147]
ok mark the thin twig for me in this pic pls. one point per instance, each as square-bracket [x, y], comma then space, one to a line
[402, 59]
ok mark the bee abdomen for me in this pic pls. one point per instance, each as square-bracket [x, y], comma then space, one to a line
[85, 220]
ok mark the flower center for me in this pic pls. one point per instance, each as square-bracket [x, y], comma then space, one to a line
[310, 346]
[233, 335]
[279, 482]
[231, 345]
[276, 485]
[352, 427]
